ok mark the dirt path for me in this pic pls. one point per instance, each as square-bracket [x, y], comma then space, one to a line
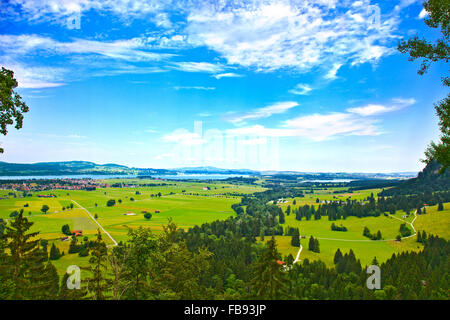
[298, 255]
[106, 232]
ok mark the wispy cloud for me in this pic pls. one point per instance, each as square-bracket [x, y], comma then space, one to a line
[265, 112]
[332, 73]
[375, 109]
[227, 75]
[194, 88]
[301, 89]
[272, 35]
[183, 137]
[198, 67]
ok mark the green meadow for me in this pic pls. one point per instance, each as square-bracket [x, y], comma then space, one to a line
[193, 203]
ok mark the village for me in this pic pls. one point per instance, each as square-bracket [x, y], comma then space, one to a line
[52, 184]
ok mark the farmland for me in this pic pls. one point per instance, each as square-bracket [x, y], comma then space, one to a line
[194, 203]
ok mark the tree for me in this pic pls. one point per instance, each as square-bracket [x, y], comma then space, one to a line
[54, 253]
[98, 284]
[147, 215]
[269, 279]
[337, 256]
[295, 241]
[45, 208]
[281, 217]
[419, 237]
[110, 202]
[311, 244]
[316, 245]
[27, 269]
[440, 206]
[66, 230]
[439, 17]
[12, 107]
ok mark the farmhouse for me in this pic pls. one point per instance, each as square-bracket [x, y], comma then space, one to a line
[157, 211]
[129, 213]
[77, 231]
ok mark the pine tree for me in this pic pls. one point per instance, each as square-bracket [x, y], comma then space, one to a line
[51, 289]
[316, 246]
[419, 237]
[311, 244]
[295, 241]
[440, 206]
[281, 217]
[54, 253]
[27, 260]
[6, 284]
[375, 261]
[98, 284]
[269, 280]
[337, 256]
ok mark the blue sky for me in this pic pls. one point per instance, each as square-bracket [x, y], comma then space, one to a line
[284, 85]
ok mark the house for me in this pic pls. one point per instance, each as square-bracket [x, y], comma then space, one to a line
[77, 231]
[281, 263]
[78, 234]
[64, 238]
[129, 214]
[157, 211]
[303, 237]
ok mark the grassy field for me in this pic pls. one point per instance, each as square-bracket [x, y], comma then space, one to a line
[186, 203]
[194, 203]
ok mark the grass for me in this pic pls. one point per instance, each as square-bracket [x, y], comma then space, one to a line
[188, 204]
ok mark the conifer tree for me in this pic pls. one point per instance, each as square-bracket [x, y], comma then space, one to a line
[311, 244]
[295, 241]
[337, 256]
[316, 246]
[54, 253]
[269, 280]
[98, 284]
[27, 260]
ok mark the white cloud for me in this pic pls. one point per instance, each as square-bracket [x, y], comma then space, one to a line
[375, 109]
[331, 75]
[184, 137]
[301, 89]
[320, 127]
[197, 67]
[271, 35]
[315, 127]
[423, 14]
[227, 75]
[194, 88]
[36, 77]
[265, 112]
[128, 49]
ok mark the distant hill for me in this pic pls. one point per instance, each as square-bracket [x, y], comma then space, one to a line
[61, 168]
[428, 180]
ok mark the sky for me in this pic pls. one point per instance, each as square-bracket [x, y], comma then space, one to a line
[311, 86]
